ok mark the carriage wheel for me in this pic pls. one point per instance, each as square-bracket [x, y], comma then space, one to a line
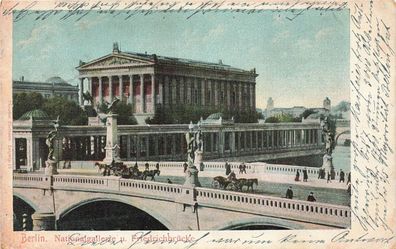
[215, 184]
[233, 186]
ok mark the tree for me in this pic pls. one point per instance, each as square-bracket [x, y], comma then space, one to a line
[272, 120]
[307, 112]
[24, 102]
[69, 111]
[124, 112]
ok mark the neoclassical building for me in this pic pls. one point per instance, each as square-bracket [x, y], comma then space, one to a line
[52, 87]
[146, 80]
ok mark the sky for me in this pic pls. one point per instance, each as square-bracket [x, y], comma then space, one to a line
[299, 62]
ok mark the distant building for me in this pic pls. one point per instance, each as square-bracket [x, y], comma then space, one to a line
[52, 87]
[270, 104]
[327, 103]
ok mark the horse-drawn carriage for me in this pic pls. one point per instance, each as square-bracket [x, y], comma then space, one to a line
[121, 169]
[232, 183]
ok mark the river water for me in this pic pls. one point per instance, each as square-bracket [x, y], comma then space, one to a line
[342, 158]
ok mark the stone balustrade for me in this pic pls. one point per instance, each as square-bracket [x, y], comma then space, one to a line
[257, 167]
[117, 185]
[321, 213]
[31, 181]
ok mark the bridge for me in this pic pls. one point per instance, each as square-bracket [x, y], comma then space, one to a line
[343, 128]
[52, 200]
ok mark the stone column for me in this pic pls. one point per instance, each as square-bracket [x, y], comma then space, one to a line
[203, 91]
[142, 93]
[166, 90]
[130, 99]
[43, 221]
[188, 87]
[232, 142]
[128, 156]
[216, 93]
[173, 90]
[160, 91]
[319, 134]
[153, 93]
[182, 91]
[221, 142]
[121, 86]
[100, 90]
[81, 90]
[112, 145]
[110, 88]
[228, 90]
[90, 85]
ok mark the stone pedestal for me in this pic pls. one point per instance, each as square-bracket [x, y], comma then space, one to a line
[112, 148]
[192, 176]
[327, 165]
[43, 221]
[51, 167]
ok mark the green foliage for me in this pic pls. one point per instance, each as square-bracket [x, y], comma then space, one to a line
[283, 118]
[24, 102]
[343, 106]
[124, 112]
[69, 111]
[186, 114]
[307, 112]
[272, 120]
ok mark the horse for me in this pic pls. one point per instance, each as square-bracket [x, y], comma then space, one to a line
[247, 182]
[101, 167]
[221, 181]
[151, 173]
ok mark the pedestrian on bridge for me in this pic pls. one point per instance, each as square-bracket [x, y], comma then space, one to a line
[240, 168]
[311, 197]
[244, 168]
[228, 168]
[289, 193]
[146, 166]
[305, 175]
[297, 178]
[328, 176]
[342, 176]
[185, 165]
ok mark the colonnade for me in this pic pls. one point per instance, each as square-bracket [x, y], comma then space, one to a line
[137, 90]
[144, 91]
[172, 146]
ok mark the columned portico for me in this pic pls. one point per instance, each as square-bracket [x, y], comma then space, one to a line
[145, 80]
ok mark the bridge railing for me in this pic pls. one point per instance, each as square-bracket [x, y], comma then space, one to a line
[179, 165]
[257, 167]
[118, 185]
[321, 213]
[31, 181]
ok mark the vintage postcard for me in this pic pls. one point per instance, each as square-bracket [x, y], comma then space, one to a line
[162, 124]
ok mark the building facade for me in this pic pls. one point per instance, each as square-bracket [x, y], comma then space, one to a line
[52, 87]
[146, 81]
[222, 141]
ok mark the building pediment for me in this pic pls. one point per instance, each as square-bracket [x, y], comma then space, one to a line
[114, 61]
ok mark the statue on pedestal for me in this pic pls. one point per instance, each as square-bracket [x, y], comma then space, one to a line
[194, 155]
[327, 165]
[50, 141]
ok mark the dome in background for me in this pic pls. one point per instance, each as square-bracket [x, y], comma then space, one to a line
[36, 114]
[56, 80]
